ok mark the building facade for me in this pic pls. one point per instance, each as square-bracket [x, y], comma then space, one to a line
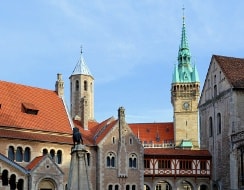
[221, 110]
[36, 137]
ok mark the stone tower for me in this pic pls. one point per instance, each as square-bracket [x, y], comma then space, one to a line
[82, 93]
[185, 89]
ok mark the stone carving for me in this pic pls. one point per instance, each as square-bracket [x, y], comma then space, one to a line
[77, 137]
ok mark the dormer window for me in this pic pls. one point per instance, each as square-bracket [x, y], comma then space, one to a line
[30, 108]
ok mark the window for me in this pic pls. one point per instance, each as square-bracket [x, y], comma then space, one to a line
[113, 140]
[85, 85]
[110, 187]
[127, 187]
[185, 165]
[88, 156]
[218, 123]
[111, 160]
[164, 164]
[91, 86]
[11, 153]
[203, 165]
[5, 178]
[215, 90]
[133, 187]
[27, 154]
[210, 127]
[20, 184]
[77, 86]
[116, 187]
[146, 163]
[52, 154]
[44, 151]
[133, 161]
[12, 181]
[19, 154]
[59, 157]
[131, 140]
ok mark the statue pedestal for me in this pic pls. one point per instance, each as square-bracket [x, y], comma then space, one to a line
[78, 174]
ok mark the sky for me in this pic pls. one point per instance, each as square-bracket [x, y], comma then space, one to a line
[129, 46]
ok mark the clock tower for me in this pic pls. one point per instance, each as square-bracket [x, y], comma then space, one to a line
[185, 89]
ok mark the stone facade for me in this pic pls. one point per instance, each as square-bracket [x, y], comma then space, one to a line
[221, 110]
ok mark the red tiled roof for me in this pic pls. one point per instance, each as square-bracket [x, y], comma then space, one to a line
[233, 68]
[38, 136]
[51, 114]
[153, 132]
[96, 131]
[176, 152]
[34, 162]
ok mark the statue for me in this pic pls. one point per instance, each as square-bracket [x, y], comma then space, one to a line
[77, 137]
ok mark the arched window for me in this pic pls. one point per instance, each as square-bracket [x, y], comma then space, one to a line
[77, 85]
[111, 160]
[20, 184]
[88, 156]
[59, 157]
[133, 161]
[110, 187]
[127, 187]
[52, 154]
[85, 85]
[116, 187]
[12, 181]
[218, 123]
[133, 187]
[44, 151]
[5, 178]
[19, 154]
[27, 154]
[210, 127]
[215, 90]
[131, 140]
[11, 153]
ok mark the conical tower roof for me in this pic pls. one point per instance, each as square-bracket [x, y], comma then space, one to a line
[81, 68]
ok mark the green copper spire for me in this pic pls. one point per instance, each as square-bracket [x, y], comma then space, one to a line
[184, 71]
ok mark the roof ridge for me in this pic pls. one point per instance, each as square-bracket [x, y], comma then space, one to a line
[27, 86]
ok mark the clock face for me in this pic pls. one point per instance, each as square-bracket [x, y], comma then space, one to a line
[186, 105]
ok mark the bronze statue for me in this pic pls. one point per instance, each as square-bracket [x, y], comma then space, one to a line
[77, 137]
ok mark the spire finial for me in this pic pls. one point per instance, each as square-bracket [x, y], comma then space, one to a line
[183, 12]
[81, 49]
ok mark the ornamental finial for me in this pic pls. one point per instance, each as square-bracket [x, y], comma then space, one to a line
[81, 49]
[183, 12]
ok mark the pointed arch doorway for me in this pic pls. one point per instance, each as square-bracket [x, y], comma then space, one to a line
[47, 184]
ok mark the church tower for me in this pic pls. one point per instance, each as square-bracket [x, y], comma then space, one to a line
[82, 93]
[185, 90]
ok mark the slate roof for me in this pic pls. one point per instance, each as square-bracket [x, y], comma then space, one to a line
[51, 114]
[233, 68]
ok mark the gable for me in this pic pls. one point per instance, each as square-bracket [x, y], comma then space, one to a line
[44, 165]
[216, 81]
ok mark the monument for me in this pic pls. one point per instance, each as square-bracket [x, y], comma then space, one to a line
[78, 173]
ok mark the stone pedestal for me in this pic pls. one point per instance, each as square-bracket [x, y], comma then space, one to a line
[78, 173]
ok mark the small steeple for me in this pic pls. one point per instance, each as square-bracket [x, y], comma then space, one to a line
[81, 68]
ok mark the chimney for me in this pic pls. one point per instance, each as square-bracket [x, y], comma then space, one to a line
[59, 86]
[84, 112]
